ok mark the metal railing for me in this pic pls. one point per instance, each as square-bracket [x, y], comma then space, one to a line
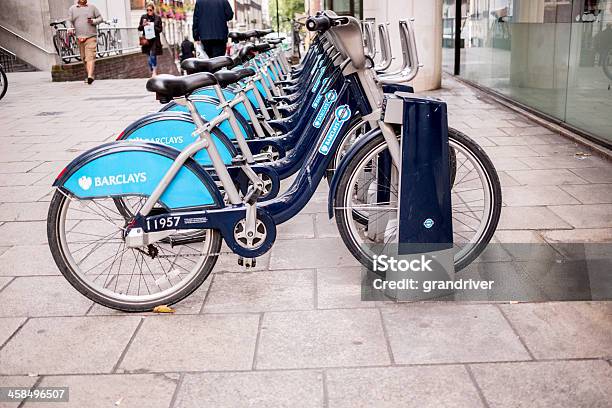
[7, 59]
[111, 40]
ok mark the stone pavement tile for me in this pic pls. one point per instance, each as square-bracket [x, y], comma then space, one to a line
[563, 329]
[326, 228]
[579, 235]
[590, 194]
[317, 204]
[261, 291]
[486, 123]
[510, 151]
[272, 389]
[450, 333]
[522, 196]
[47, 167]
[508, 163]
[595, 174]
[391, 387]
[42, 296]
[526, 131]
[562, 384]
[310, 253]
[36, 211]
[3, 249]
[545, 177]
[557, 149]
[530, 218]
[518, 236]
[4, 281]
[191, 305]
[586, 215]
[118, 390]
[18, 382]
[340, 288]
[505, 180]
[299, 227]
[321, 338]
[28, 260]
[17, 179]
[67, 345]
[18, 167]
[23, 194]
[563, 162]
[24, 233]
[8, 326]
[193, 343]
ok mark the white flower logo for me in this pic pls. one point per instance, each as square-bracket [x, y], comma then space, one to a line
[85, 182]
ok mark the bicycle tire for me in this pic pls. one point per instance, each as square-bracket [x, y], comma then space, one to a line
[62, 260]
[4, 84]
[454, 136]
[102, 45]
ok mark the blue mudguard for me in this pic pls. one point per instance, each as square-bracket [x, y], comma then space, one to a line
[117, 169]
[344, 164]
[176, 130]
[208, 109]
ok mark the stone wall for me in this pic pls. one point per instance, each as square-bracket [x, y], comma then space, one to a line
[116, 67]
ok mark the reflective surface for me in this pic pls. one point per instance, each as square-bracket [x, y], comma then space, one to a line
[551, 55]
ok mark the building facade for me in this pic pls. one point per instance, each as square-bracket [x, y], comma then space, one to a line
[552, 56]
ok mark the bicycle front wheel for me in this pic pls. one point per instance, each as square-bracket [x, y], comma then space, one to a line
[87, 242]
[3, 82]
[475, 195]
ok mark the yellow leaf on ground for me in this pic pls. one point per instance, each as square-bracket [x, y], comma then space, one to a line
[163, 309]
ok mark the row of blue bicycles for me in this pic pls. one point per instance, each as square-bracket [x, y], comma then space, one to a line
[141, 221]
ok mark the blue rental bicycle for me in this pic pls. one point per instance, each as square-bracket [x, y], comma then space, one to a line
[134, 225]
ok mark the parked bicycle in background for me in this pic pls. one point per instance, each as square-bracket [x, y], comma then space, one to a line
[3, 82]
[65, 42]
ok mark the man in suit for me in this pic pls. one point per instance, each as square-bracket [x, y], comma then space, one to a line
[210, 19]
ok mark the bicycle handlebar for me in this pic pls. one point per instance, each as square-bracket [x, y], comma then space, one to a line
[323, 22]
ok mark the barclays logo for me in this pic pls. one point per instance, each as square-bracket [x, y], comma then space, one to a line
[330, 98]
[342, 115]
[85, 183]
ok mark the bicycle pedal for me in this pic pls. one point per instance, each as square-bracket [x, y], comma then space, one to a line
[247, 262]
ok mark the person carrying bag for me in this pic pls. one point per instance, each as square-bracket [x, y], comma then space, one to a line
[150, 39]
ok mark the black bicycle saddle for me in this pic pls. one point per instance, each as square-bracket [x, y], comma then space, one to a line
[226, 78]
[193, 65]
[263, 33]
[171, 86]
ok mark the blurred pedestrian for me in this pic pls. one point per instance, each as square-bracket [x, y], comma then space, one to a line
[150, 40]
[210, 19]
[84, 18]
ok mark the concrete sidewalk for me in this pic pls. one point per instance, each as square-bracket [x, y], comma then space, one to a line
[294, 332]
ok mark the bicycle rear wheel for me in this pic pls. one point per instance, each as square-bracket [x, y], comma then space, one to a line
[475, 195]
[102, 45]
[86, 238]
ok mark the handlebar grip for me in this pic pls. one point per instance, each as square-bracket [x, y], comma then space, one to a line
[318, 23]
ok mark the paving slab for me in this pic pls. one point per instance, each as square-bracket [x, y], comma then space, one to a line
[262, 389]
[321, 338]
[525, 196]
[591, 193]
[592, 235]
[301, 226]
[585, 216]
[67, 345]
[595, 174]
[546, 177]
[118, 390]
[563, 329]
[42, 296]
[8, 326]
[24, 211]
[27, 260]
[24, 233]
[17, 382]
[310, 253]
[424, 386]
[23, 194]
[530, 218]
[326, 228]
[431, 333]
[193, 343]
[261, 291]
[339, 288]
[562, 384]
